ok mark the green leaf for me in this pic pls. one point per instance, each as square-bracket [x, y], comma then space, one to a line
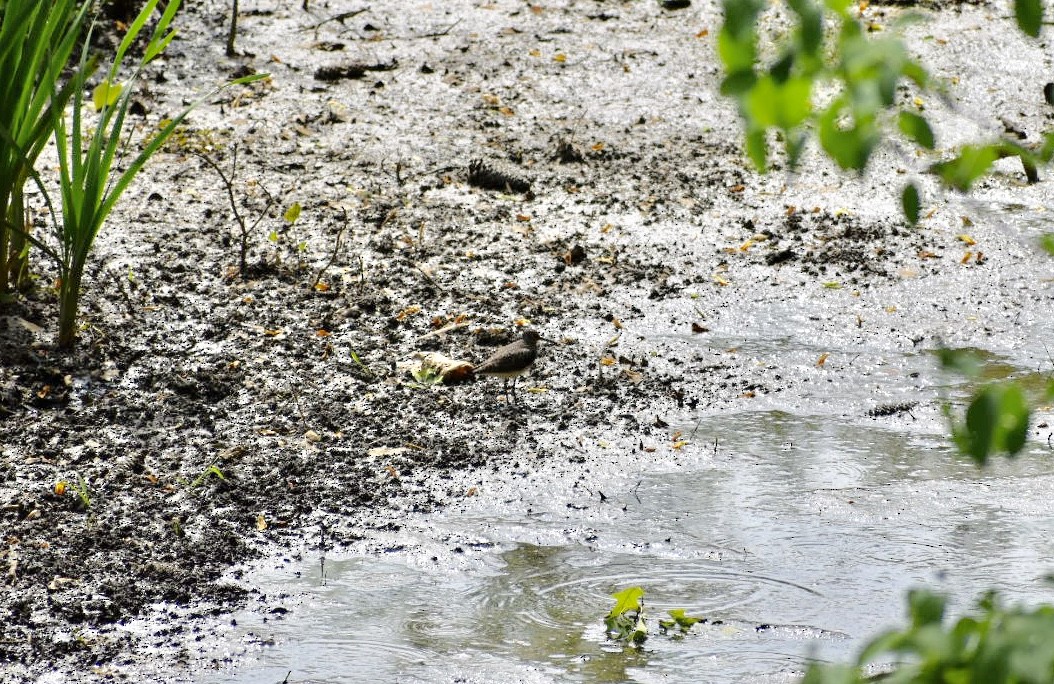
[960, 361]
[926, 607]
[292, 213]
[1046, 241]
[683, 621]
[757, 149]
[1029, 15]
[738, 82]
[626, 601]
[911, 203]
[106, 94]
[996, 421]
[917, 128]
[849, 146]
[972, 163]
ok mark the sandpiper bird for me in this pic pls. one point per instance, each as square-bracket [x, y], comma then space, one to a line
[512, 360]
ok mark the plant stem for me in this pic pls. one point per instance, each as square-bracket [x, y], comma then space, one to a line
[69, 296]
[234, 29]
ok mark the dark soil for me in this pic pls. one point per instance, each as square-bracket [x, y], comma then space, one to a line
[211, 414]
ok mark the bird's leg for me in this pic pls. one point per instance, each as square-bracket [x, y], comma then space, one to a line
[514, 388]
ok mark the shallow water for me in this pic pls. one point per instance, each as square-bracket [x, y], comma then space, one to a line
[796, 537]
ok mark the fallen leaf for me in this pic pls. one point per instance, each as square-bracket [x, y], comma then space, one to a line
[472, 491]
[560, 57]
[607, 361]
[261, 522]
[633, 376]
[703, 34]
[617, 323]
[387, 451]
[966, 258]
[963, 237]
[822, 360]
[407, 312]
[322, 333]
[720, 280]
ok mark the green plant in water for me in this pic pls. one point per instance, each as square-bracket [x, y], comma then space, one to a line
[37, 38]
[626, 622]
[89, 180]
[997, 645]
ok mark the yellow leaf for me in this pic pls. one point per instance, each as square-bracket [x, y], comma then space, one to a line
[261, 522]
[963, 237]
[822, 360]
[607, 361]
[106, 94]
[720, 280]
[407, 312]
[678, 444]
[60, 487]
[560, 57]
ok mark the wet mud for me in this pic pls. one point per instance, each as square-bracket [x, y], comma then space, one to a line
[464, 170]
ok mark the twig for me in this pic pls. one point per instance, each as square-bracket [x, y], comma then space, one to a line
[233, 30]
[336, 249]
[228, 182]
[440, 34]
[336, 17]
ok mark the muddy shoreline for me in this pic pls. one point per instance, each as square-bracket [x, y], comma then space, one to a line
[208, 419]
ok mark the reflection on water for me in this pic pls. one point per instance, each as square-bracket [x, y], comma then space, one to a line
[798, 538]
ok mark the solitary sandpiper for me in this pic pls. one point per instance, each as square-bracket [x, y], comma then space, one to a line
[512, 360]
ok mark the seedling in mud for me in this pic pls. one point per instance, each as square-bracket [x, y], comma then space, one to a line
[82, 491]
[38, 40]
[245, 230]
[93, 170]
[212, 471]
